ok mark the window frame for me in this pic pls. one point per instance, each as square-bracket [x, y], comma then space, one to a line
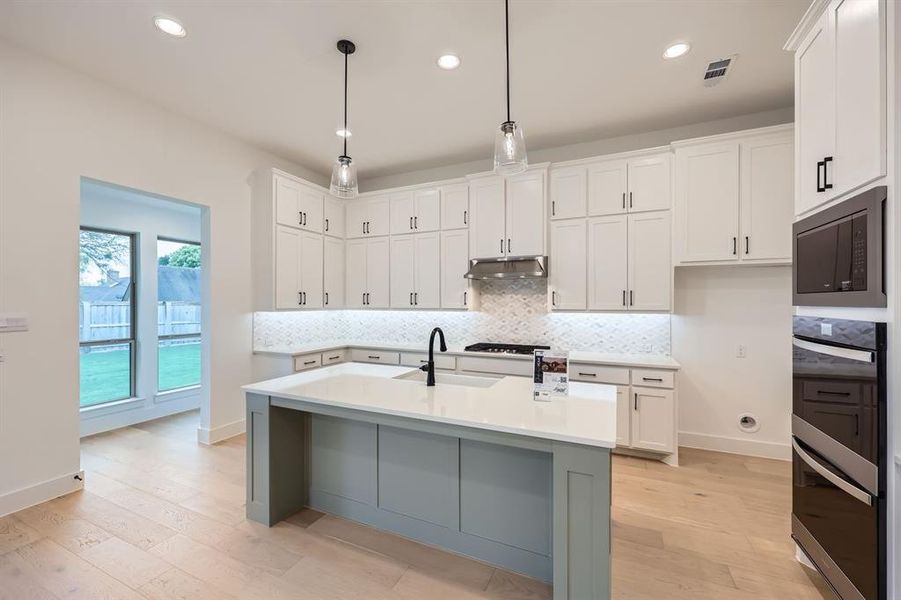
[174, 336]
[131, 341]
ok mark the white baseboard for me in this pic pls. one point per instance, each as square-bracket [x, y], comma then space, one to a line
[218, 434]
[748, 447]
[48, 490]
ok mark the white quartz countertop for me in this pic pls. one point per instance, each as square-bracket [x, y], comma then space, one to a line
[648, 361]
[586, 416]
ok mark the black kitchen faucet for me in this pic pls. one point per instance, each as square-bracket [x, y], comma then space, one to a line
[430, 366]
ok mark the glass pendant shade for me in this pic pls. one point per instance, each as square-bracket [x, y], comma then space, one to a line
[344, 178]
[509, 149]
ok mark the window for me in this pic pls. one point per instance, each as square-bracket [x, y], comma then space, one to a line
[106, 316]
[178, 310]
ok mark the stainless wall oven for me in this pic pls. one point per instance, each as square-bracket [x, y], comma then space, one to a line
[838, 254]
[839, 452]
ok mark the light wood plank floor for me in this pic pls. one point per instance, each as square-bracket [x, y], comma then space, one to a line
[162, 517]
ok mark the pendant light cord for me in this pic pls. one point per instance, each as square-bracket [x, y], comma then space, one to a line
[507, 50]
[345, 104]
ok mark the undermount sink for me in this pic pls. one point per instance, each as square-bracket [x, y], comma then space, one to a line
[450, 379]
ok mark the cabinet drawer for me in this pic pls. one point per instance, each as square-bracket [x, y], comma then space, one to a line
[374, 356]
[598, 373]
[502, 366]
[334, 357]
[653, 378]
[307, 361]
[415, 359]
[841, 392]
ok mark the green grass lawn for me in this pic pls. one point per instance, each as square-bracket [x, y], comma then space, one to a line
[105, 375]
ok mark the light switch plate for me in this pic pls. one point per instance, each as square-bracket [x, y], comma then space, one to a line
[10, 322]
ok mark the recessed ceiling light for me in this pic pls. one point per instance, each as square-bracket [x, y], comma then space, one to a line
[343, 133]
[170, 26]
[448, 62]
[677, 50]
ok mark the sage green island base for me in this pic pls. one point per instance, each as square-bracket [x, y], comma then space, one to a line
[536, 506]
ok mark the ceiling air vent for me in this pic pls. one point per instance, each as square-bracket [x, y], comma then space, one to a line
[718, 70]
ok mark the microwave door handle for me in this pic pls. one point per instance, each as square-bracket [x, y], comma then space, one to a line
[851, 490]
[863, 356]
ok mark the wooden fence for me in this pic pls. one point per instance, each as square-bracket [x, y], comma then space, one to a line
[110, 320]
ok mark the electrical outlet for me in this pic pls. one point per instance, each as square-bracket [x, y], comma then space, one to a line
[742, 351]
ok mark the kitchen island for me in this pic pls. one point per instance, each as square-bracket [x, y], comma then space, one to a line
[473, 465]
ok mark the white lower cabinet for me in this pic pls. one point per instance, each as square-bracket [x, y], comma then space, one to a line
[623, 416]
[367, 284]
[298, 268]
[568, 265]
[454, 265]
[415, 282]
[653, 418]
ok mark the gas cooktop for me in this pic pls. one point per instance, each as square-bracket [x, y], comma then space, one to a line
[504, 348]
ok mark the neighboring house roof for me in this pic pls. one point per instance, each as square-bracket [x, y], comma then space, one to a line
[174, 284]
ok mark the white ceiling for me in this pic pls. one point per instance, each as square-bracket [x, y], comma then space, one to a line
[269, 73]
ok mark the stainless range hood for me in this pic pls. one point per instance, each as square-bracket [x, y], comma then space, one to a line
[508, 267]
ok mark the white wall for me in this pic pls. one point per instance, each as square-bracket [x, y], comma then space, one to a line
[57, 126]
[111, 207]
[716, 309]
[636, 141]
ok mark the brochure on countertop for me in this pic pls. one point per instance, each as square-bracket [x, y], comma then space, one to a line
[551, 374]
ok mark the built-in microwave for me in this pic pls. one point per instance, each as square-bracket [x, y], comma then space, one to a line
[839, 254]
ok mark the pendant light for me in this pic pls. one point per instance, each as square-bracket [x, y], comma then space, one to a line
[509, 145]
[344, 172]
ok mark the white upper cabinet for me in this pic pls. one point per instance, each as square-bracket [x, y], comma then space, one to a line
[333, 273]
[414, 211]
[427, 249]
[403, 267]
[707, 191]
[298, 268]
[297, 204]
[608, 247]
[455, 206]
[650, 183]
[568, 264]
[650, 264]
[607, 183]
[569, 197]
[840, 82]
[526, 213]
[333, 221]
[367, 284]
[402, 212]
[767, 186]
[734, 198]
[454, 265]
[367, 217]
[488, 234]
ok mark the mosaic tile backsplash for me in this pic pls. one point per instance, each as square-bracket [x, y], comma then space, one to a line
[511, 312]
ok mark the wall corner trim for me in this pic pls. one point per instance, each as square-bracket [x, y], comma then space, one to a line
[215, 435]
[21, 499]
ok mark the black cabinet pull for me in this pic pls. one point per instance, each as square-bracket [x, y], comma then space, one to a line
[734, 245]
[363, 225]
[554, 298]
[587, 374]
[830, 393]
[630, 199]
[309, 362]
[299, 298]
[326, 298]
[374, 357]
[364, 298]
[335, 357]
[415, 222]
[464, 298]
[624, 200]
[821, 166]
[502, 245]
[624, 297]
[658, 379]
[631, 298]
[326, 223]
[553, 208]
[465, 216]
[411, 222]
[299, 218]
[304, 298]
[826, 184]
[508, 246]
[416, 298]
[747, 245]
[636, 400]
[411, 298]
